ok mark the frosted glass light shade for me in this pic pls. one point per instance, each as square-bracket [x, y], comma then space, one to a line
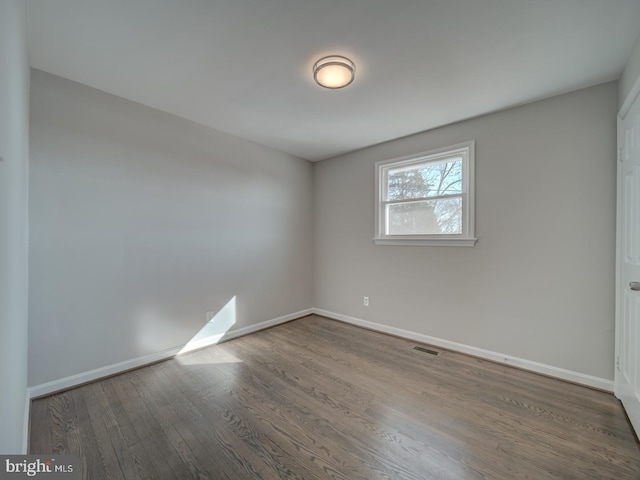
[334, 72]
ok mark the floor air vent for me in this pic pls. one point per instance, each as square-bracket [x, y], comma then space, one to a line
[426, 350]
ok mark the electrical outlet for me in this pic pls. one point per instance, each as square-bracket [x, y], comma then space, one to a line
[365, 302]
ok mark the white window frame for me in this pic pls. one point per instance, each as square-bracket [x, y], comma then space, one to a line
[466, 150]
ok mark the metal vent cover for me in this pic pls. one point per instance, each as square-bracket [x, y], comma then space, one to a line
[426, 350]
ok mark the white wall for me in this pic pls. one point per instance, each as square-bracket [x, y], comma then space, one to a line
[141, 222]
[14, 164]
[538, 285]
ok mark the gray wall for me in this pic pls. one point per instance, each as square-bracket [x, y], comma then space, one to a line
[141, 222]
[631, 72]
[538, 285]
[14, 165]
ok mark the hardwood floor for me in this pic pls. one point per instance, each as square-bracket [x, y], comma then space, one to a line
[318, 399]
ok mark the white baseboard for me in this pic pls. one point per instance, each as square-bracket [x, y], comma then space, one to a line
[102, 372]
[549, 370]
[266, 324]
[240, 332]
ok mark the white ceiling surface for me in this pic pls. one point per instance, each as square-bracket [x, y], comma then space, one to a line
[244, 66]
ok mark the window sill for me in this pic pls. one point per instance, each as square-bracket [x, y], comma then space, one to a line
[429, 242]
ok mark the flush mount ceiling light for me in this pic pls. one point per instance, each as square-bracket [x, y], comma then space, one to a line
[334, 72]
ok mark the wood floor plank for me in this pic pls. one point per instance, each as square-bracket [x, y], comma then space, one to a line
[316, 399]
[476, 399]
[63, 423]
[258, 448]
[315, 422]
[177, 420]
[380, 389]
[89, 452]
[206, 436]
[155, 444]
[39, 415]
[110, 463]
[323, 420]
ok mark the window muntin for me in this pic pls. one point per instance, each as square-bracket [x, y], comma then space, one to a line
[426, 198]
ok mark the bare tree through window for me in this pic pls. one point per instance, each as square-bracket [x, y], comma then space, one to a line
[425, 198]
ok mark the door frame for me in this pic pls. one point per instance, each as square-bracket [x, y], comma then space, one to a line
[632, 97]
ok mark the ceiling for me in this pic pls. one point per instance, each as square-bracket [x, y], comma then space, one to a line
[244, 66]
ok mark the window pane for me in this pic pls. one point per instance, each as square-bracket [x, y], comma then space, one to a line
[425, 180]
[429, 217]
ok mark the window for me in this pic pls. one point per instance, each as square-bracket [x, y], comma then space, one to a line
[426, 199]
